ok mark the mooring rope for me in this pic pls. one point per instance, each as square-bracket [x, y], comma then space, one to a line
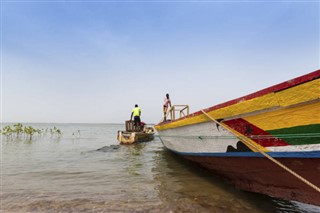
[284, 136]
[251, 145]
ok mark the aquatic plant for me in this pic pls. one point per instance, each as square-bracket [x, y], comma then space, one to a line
[7, 131]
[29, 131]
[77, 133]
[56, 130]
[17, 130]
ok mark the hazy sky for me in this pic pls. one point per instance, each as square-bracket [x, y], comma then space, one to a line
[91, 61]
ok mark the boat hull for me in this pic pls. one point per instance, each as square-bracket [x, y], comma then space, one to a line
[134, 137]
[246, 139]
[226, 156]
[260, 175]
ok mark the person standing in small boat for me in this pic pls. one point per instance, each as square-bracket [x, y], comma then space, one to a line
[136, 113]
[166, 105]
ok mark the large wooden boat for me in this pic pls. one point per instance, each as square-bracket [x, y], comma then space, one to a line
[134, 134]
[266, 142]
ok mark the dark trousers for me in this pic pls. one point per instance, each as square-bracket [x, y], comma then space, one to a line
[137, 120]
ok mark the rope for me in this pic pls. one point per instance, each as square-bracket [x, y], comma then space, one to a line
[252, 145]
[306, 135]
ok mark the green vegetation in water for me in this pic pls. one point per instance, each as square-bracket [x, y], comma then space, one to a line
[76, 134]
[18, 130]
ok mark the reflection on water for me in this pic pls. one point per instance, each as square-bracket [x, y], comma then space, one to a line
[93, 173]
[197, 190]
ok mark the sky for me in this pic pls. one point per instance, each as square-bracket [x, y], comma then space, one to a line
[92, 61]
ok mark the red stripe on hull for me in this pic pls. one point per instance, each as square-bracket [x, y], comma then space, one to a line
[260, 175]
[275, 88]
[244, 127]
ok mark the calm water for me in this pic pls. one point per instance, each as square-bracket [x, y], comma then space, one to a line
[90, 172]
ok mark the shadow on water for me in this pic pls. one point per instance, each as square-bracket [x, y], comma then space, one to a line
[110, 148]
[113, 148]
[186, 187]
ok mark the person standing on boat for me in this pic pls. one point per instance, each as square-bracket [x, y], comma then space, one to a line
[166, 105]
[136, 113]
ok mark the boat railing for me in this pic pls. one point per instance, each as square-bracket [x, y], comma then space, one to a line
[183, 111]
[130, 127]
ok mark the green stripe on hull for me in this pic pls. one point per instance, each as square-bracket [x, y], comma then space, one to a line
[299, 135]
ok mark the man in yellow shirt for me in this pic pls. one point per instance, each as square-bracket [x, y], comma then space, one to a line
[136, 113]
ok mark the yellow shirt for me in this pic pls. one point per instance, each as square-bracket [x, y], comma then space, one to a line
[136, 111]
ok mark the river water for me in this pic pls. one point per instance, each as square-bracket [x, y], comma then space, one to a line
[86, 170]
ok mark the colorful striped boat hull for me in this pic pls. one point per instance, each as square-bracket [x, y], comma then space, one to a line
[283, 121]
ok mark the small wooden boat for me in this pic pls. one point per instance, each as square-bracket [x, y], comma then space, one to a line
[135, 134]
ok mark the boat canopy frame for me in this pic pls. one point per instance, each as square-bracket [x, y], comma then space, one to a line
[182, 109]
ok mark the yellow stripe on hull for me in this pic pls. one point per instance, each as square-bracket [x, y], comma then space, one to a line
[288, 117]
[298, 94]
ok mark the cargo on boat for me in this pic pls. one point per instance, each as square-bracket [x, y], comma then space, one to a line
[266, 142]
[134, 134]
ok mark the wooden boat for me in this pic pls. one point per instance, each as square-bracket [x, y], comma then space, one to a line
[135, 134]
[266, 142]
